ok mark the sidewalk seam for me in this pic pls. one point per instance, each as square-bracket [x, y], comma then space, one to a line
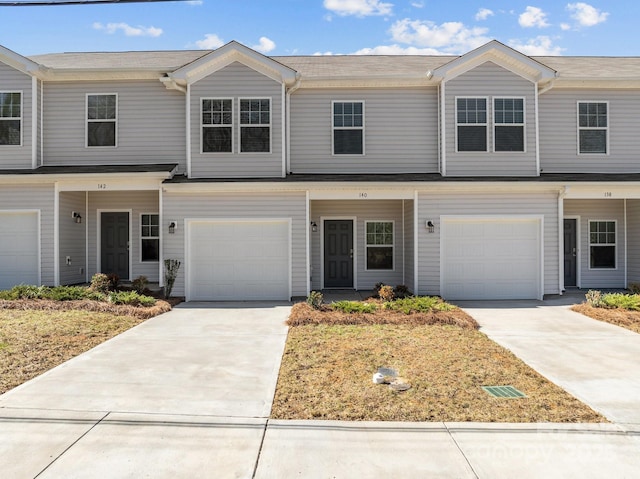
[71, 445]
[264, 433]
[461, 451]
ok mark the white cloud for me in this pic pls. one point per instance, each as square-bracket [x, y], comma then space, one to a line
[449, 37]
[397, 50]
[359, 8]
[484, 13]
[417, 4]
[265, 46]
[194, 2]
[211, 41]
[540, 45]
[586, 15]
[128, 30]
[565, 26]
[533, 17]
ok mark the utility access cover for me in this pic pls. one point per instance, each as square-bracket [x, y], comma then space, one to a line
[504, 392]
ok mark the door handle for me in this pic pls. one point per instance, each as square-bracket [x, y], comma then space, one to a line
[351, 253]
[574, 252]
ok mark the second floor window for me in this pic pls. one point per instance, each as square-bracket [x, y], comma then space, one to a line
[348, 128]
[593, 124]
[10, 118]
[471, 124]
[508, 119]
[255, 125]
[102, 120]
[217, 125]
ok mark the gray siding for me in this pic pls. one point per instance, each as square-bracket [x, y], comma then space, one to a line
[236, 81]
[633, 238]
[150, 130]
[599, 210]
[409, 250]
[181, 206]
[138, 202]
[35, 197]
[373, 210]
[432, 206]
[401, 131]
[17, 156]
[72, 238]
[490, 80]
[559, 132]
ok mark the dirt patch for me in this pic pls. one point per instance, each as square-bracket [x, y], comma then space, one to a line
[620, 317]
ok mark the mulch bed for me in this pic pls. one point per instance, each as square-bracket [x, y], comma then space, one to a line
[618, 316]
[140, 312]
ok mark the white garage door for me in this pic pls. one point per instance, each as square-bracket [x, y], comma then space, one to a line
[19, 251]
[238, 260]
[491, 258]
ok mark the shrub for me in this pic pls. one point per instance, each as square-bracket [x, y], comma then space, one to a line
[634, 288]
[401, 291]
[594, 298]
[419, 304]
[620, 300]
[140, 284]
[132, 298]
[22, 291]
[386, 293]
[114, 281]
[72, 293]
[171, 267]
[353, 307]
[100, 283]
[315, 299]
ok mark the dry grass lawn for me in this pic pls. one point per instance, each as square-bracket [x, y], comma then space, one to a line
[327, 371]
[36, 336]
[618, 316]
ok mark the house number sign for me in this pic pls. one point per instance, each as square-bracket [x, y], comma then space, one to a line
[608, 194]
[102, 186]
[362, 195]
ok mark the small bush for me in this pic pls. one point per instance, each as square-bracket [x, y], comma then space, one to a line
[22, 291]
[140, 284]
[401, 291]
[376, 289]
[594, 298]
[353, 307]
[100, 283]
[72, 293]
[419, 304]
[386, 293]
[315, 299]
[114, 281]
[630, 302]
[171, 267]
[634, 288]
[132, 298]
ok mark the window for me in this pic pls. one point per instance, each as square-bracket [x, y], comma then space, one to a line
[471, 121]
[508, 119]
[10, 119]
[150, 237]
[593, 124]
[101, 120]
[602, 244]
[348, 128]
[379, 245]
[217, 125]
[255, 125]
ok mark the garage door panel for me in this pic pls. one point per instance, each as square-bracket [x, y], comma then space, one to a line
[19, 257]
[239, 260]
[491, 258]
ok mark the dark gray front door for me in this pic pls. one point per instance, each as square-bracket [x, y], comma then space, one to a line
[570, 253]
[114, 244]
[338, 254]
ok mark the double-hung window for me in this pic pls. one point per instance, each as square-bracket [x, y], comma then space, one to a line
[379, 245]
[217, 125]
[471, 124]
[255, 125]
[508, 120]
[10, 118]
[150, 237]
[102, 118]
[602, 244]
[348, 127]
[593, 125]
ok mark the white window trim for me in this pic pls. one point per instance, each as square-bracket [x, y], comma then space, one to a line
[455, 110]
[21, 118]
[333, 128]
[392, 246]
[606, 129]
[240, 125]
[523, 124]
[87, 121]
[232, 125]
[589, 244]
[152, 261]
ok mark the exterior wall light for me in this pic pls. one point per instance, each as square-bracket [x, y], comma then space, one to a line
[172, 227]
[76, 217]
[430, 226]
[314, 226]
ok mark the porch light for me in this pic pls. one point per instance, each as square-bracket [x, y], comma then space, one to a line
[76, 217]
[430, 226]
[172, 227]
[314, 226]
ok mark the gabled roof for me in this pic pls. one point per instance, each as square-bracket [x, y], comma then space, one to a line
[18, 62]
[230, 53]
[500, 54]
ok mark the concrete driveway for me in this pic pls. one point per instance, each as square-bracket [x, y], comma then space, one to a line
[181, 395]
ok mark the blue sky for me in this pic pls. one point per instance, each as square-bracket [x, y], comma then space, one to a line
[308, 27]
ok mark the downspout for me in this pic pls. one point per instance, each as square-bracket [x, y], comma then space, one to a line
[188, 128]
[415, 243]
[161, 222]
[42, 123]
[308, 239]
[291, 90]
[404, 247]
[537, 124]
[56, 234]
[34, 122]
[561, 195]
[626, 258]
[443, 118]
[283, 129]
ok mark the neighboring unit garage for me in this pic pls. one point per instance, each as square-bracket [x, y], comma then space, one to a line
[19, 248]
[491, 257]
[234, 260]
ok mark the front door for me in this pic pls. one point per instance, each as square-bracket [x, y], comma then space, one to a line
[114, 244]
[570, 253]
[338, 254]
